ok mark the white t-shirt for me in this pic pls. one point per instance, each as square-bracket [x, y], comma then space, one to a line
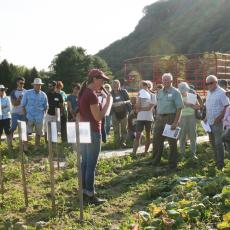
[146, 99]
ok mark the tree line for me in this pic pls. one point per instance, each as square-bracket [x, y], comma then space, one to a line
[70, 65]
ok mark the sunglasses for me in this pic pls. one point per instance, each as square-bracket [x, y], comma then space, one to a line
[210, 83]
[2, 90]
[21, 83]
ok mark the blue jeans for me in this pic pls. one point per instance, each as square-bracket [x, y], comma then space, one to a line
[216, 139]
[15, 118]
[90, 153]
[108, 120]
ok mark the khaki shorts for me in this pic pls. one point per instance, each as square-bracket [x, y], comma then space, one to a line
[49, 118]
[38, 127]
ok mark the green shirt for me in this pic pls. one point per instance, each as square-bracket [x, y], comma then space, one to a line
[169, 100]
[187, 110]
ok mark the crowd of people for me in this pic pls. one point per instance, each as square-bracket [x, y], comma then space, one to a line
[106, 106]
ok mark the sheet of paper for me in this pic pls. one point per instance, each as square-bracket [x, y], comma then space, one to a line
[23, 130]
[84, 131]
[191, 98]
[206, 127]
[171, 133]
[58, 114]
[71, 132]
[0, 107]
[54, 137]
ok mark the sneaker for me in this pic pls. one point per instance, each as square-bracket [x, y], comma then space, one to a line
[95, 200]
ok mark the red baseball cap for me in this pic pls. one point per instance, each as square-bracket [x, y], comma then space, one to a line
[97, 73]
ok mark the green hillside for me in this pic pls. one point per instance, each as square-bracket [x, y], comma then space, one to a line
[174, 26]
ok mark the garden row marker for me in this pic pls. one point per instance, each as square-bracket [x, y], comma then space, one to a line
[1, 179]
[58, 119]
[23, 137]
[79, 132]
[49, 134]
[73, 137]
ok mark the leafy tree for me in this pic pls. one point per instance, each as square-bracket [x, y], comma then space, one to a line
[5, 73]
[73, 64]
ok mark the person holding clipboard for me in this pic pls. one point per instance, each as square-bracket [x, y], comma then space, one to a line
[169, 105]
[89, 111]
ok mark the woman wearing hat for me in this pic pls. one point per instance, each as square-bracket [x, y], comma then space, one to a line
[89, 111]
[5, 116]
[188, 121]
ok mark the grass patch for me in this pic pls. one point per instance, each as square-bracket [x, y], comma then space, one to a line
[196, 197]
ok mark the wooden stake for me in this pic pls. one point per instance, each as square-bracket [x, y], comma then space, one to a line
[24, 183]
[57, 114]
[57, 153]
[1, 179]
[51, 167]
[77, 148]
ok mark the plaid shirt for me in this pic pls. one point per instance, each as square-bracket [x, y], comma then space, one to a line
[215, 103]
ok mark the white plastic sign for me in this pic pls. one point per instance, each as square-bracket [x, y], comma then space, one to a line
[84, 131]
[23, 130]
[71, 132]
[54, 137]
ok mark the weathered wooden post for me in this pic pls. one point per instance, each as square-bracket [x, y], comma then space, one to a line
[52, 180]
[23, 137]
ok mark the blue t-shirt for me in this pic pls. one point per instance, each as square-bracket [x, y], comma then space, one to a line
[73, 101]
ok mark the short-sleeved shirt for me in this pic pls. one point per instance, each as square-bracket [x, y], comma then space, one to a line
[215, 102]
[73, 101]
[145, 102]
[36, 104]
[169, 100]
[14, 95]
[5, 108]
[54, 100]
[87, 99]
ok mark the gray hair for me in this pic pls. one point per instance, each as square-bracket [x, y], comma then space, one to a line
[150, 84]
[183, 87]
[116, 82]
[211, 78]
[108, 86]
[168, 76]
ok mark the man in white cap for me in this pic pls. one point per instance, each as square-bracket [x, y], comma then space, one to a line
[35, 105]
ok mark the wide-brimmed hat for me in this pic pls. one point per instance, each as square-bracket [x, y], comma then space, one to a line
[97, 73]
[3, 87]
[37, 81]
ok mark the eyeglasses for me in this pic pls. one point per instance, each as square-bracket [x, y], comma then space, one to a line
[2, 90]
[210, 83]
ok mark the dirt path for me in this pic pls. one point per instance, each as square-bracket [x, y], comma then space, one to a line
[124, 152]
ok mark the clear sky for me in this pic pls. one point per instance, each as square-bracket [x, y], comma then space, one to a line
[32, 32]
